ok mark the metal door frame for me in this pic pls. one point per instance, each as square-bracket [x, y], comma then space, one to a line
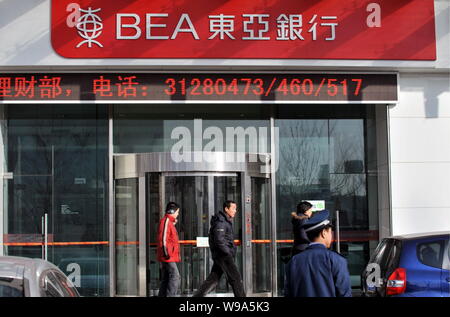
[140, 164]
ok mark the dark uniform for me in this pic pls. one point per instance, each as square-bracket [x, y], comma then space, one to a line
[223, 251]
[317, 271]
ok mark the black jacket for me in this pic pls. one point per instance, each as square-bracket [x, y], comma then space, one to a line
[221, 236]
[301, 241]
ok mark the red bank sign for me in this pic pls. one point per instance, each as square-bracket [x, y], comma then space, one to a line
[276, 29]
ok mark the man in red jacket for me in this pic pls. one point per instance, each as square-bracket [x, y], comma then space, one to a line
[169, 251]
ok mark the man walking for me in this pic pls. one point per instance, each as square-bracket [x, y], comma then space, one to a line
[168, 251]
[317, 271]
[223, 250]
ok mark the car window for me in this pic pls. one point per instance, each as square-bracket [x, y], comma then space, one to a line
[8, 291]
[379, 251]
[431, 253]
[393, 256]
[447, 262]
[382, 258]
[10, 287]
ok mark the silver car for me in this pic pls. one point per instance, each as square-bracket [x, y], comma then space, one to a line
[26, 277]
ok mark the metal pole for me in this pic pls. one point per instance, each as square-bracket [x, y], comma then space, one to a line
[111, 207]
[43, 237]
[338, 237]
[274, 138]
[46, 236]
[142, 261]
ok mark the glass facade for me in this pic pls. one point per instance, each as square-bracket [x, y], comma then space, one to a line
[58, 157]
[324, 156]
[159, 128]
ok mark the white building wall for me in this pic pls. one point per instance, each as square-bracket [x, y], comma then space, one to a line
[420, 154]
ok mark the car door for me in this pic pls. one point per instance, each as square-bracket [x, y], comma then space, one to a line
[425, 279]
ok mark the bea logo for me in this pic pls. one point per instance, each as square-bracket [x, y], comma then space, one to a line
[88, 24]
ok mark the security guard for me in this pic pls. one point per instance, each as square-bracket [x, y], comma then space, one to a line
[317, 271]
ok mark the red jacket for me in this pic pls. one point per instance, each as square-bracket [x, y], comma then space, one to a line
[168, 247]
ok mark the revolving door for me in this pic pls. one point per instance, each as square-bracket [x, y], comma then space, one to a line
[144, 183]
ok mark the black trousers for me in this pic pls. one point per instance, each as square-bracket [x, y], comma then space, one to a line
[222, 265]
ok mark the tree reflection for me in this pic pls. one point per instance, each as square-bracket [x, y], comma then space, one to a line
[322, 160]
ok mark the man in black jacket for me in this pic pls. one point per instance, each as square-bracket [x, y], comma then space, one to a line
[304, 212]
[223, 250]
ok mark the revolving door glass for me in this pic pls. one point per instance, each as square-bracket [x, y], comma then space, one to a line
[199, 197]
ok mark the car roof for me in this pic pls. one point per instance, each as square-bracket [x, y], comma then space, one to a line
[421, 235]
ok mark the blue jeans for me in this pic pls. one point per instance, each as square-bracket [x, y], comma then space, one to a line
[170, 279]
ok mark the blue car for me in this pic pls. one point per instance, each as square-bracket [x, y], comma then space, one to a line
[415, 265]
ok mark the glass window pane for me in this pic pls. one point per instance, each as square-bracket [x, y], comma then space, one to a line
[347, 146]
[127, 246]
[10, 287]
[229, 188]
[191, 193]
[303, 172]
[430, 253]
[58, 156]
[349, 194]
[324, 154]
[261, 238]
[234, 128]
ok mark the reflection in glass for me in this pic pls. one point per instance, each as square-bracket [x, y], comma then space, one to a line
[154, 212]
[262, 272]
[229, 188]
[57, 155]
[199, 198]
[139, 129]
[191, 193]
[127, 236]
[325, 159]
